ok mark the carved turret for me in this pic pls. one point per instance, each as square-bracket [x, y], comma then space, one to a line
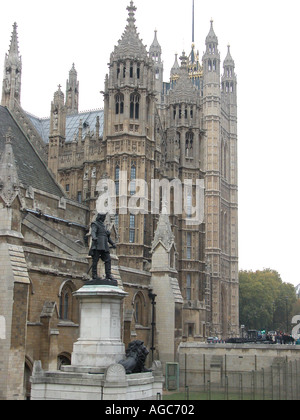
[57, 130]
[72, 92]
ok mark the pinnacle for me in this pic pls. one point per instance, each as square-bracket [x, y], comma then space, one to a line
[130, 45]
[14, 48]
[211, 37]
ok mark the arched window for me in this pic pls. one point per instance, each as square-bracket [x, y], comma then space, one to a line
[188, 287]
[27, 374]
[66, 302]
[133, 172]
[133, 180]
[131, 70]
[132, 229]
[134, 106]
[119, 99]
[189, 144]
[189, 209]
[178, 140]
[139, 309]
[63, 359]
[189, 246]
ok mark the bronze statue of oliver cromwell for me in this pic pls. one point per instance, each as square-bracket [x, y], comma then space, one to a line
[100, 248]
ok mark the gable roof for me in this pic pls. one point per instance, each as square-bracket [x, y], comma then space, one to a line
[30, 168]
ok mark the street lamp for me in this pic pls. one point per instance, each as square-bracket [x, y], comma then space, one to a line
[153, 296]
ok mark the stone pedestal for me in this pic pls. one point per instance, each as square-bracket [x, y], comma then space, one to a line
[94, 373]
[100, 344]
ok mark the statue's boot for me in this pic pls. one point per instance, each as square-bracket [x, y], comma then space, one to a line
[108, 274]
[94, 271]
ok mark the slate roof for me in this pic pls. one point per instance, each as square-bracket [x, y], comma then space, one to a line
[88, 118]
[31, 169]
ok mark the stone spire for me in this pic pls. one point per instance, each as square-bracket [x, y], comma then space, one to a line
[72, 92]
[155, 49]
[211, 59]
[229, 78]
[130, 45]
[58, 111]
[11, 86]
[176, 66]
[57, 132]
[155, 53]
[14, 47]
[211, 37]
[163, 233]
[174, 71]
[228, 60]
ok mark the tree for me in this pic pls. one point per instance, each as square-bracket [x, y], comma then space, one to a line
[265, 301]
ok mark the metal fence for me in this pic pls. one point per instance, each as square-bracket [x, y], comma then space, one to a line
[281, 381]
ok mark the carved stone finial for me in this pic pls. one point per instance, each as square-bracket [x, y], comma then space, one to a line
[9, 136]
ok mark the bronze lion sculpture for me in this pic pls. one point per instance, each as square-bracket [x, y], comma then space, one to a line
[136, 356]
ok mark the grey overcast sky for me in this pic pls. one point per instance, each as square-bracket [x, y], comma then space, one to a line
[264, 37]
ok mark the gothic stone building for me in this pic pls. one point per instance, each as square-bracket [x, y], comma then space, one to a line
[185, 129]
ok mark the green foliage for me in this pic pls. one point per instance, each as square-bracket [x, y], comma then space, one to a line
[265, 301]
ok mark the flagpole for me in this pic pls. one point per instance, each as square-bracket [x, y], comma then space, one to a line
[193, 34]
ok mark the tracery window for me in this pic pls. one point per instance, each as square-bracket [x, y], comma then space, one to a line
[66, 303]
[189, 144]
[139, 311]
[134, 106]
[119, 99]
